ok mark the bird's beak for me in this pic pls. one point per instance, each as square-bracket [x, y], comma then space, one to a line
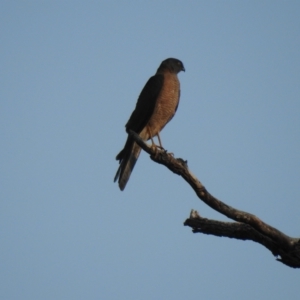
[183, 69]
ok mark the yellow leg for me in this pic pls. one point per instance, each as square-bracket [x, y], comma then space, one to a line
[160, 145]
[153, 144]
[150, 135]
[159, 140]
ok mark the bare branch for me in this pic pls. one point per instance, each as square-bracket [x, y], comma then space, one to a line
[249, 227]
[244, 232]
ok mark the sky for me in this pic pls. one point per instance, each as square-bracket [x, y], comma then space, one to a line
[71, 72]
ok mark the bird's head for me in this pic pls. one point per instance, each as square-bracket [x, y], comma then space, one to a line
[174, 65]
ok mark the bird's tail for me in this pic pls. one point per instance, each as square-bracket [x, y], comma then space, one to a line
[127, 157]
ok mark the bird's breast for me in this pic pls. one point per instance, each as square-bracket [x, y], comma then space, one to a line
[166, 104]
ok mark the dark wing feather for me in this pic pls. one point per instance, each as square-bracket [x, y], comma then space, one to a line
[145, 104]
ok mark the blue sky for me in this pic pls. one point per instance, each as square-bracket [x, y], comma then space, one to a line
[71, 72]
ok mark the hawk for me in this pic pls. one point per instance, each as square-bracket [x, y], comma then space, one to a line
[155, 107]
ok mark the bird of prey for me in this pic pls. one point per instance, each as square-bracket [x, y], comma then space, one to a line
[155, 107]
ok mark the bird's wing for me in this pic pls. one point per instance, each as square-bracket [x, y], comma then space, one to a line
[145, 104]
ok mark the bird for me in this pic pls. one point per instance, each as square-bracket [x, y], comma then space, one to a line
[155, 107]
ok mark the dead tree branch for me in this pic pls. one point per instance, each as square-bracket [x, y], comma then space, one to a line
[246, 227]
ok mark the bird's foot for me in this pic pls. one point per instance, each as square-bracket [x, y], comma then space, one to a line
[156, 149]
[168, 153]
[161, 148]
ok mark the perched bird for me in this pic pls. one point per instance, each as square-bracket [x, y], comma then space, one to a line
[155, 107]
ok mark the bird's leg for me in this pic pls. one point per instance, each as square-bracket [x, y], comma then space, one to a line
[170, 153]
[150, 135]
[153, 146]
[160, 144]
[159, 140]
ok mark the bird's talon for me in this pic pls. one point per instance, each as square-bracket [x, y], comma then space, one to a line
[160, 147]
